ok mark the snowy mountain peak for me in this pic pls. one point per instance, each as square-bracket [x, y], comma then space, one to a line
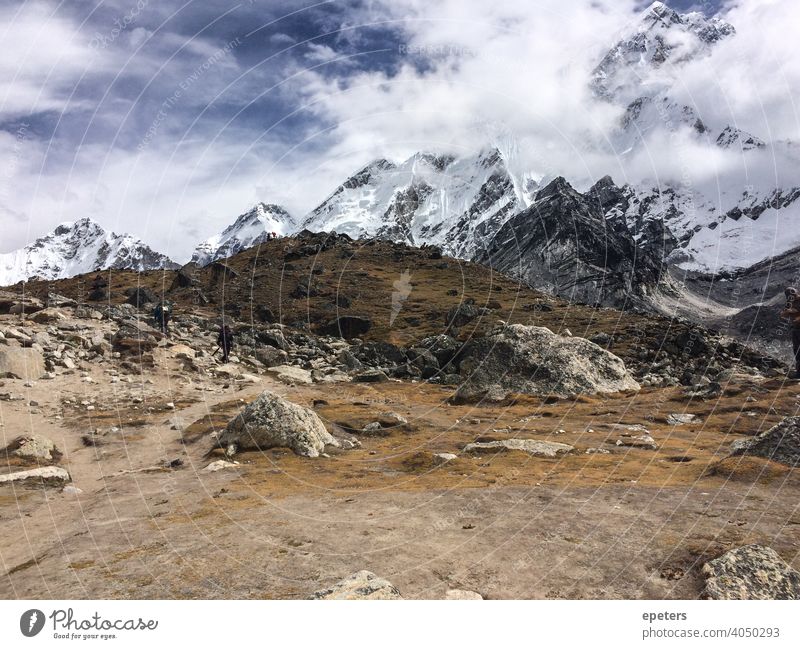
[82, 246]
[435, 198]
[661, 13]
[249, 229]
[660, 35]
[733, 138]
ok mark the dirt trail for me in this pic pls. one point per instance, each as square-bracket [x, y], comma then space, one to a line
[631, 523]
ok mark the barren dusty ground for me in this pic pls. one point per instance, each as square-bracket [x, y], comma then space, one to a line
[632, 523]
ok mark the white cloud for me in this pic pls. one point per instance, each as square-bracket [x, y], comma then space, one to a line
[511, 73]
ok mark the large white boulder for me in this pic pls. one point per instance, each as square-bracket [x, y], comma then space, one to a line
[534, 360]
[271, 421]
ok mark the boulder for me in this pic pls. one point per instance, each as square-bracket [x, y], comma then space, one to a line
[461, 315]
[781, 443]
[290, 374]
[135, 338]
[379, 354]
[534, 360]
[48, 316]
[17, 304]
[271, 356]
[21, 363]
[681, 418]
[138, 296]
[33, 447]
[271, 421]
[182, 351]
[220, 465]
[48, 476]
[348, 326]
[750, 572]
[457, 593]
[480, 395]
[534, 447]
[360, 585]
[184, 277]
[443, 347]
[637, 441]
[370, 376]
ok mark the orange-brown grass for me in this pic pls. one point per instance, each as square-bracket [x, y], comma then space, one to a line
[403, 459]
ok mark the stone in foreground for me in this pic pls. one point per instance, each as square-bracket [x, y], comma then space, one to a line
[457, 593]
[751, 572]
[534, 360]
[21, 363]
[271, 421]
[781, 443]
[48, 476]
[360, 585]
[33, 447]
[534, 447]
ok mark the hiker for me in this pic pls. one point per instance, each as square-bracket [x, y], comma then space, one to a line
[225, 342]
[162, 314]
[792, 314]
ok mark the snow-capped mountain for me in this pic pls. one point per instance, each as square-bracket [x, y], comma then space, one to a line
[566, 244]
[249, 229]
[79, 247]
[647, 57]
[745, 209]
[432, 198]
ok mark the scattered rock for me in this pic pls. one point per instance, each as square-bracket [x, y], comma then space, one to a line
[33, 447]
[48, 476]
[443, 458]
[462, 314]
[290, 374]
[133, 339]
[271, 421]
[638, 441]
[219, 465]
[21, 363]
[680, 418]
[271, 356]
[48, 316]
[360, 585]
[534, 447]
[457, 593]
[472, 394]
[371, 376]
[348, 326]
[139, 296]
[781, 443]
[751, 572]
[534, 360]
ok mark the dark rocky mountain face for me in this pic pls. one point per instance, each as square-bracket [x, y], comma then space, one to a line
[564, 243]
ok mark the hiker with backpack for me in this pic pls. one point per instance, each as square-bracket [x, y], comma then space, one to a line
[225, 342]
[161, 315]
[791, 312]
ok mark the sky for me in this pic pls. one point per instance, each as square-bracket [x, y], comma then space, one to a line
[167, 119]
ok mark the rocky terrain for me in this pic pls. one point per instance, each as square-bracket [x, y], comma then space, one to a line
[392, 423]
